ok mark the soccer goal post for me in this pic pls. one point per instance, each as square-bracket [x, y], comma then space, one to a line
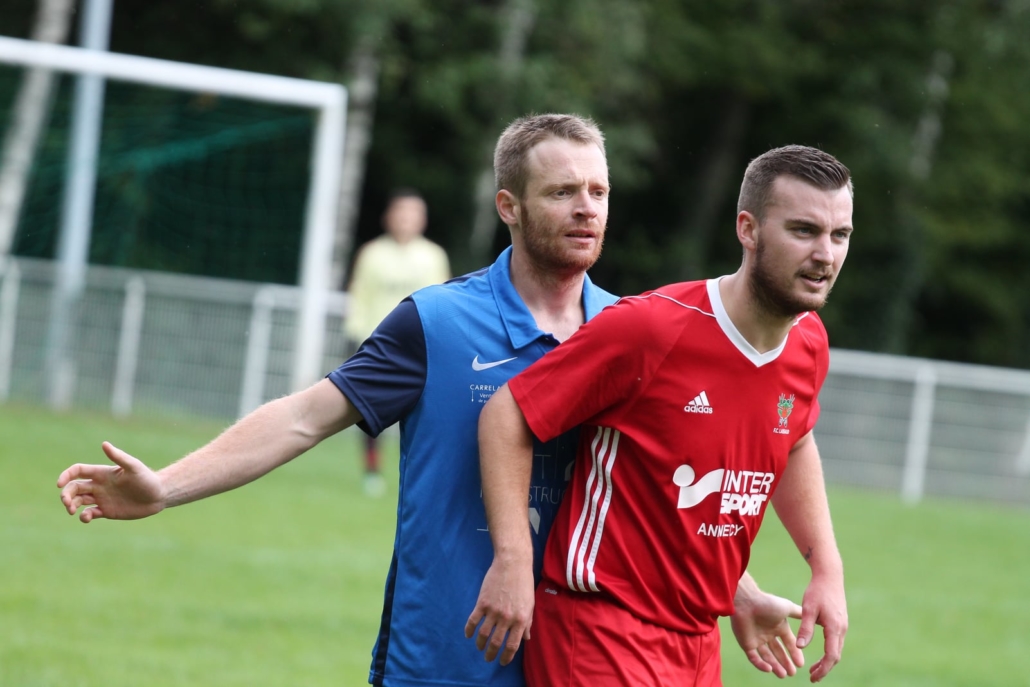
[328, 100]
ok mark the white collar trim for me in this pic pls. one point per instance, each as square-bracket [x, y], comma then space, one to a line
[731, 332]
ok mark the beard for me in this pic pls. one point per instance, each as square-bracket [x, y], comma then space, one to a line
[545, 247]
[775, 297]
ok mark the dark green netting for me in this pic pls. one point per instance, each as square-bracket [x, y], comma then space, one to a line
[190, 183]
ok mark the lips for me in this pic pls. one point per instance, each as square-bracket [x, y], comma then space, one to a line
[816, 279]
[581, 239]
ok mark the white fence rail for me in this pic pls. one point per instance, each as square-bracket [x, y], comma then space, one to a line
[152, 342]
[926, 427]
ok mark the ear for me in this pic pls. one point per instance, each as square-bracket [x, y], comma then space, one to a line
[508, 207]
[747, 230]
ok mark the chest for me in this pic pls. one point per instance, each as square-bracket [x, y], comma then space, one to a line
[713, 408]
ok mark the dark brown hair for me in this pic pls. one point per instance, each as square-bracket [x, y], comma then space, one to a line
[811, 165]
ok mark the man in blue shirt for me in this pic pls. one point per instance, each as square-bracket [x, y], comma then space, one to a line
[431, 365]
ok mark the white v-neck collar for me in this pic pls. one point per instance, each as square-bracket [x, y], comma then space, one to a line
[735, 337]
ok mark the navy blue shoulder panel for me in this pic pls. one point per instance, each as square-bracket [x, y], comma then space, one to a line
[384, 379]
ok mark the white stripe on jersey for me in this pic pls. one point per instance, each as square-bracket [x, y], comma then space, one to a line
[578, 532]
[608, 440]
[656, 294]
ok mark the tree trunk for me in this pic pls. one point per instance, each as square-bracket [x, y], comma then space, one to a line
[912, 246]
[361, 105]
[517, 18]
[702, 215]
[30, 113]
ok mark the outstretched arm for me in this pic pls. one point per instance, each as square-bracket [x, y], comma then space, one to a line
[272, 435]
[800, 502]
[759, 623]
[504, 610]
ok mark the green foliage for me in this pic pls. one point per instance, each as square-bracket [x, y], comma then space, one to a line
[687, 93]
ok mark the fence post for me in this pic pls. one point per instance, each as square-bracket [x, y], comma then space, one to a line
[259, 338]
[918, 447]
[8, 320]
[1023, 461]
[128, 347]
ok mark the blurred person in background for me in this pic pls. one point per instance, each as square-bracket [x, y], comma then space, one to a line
[387, 270]
[431, 365]
[697, 403]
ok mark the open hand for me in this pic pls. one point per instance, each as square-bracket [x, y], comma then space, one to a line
[761, 628]
[127, 490]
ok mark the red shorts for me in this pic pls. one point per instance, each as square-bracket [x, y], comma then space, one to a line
[584, 640]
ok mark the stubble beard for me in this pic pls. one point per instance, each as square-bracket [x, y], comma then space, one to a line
[775, 298]
[543, 246]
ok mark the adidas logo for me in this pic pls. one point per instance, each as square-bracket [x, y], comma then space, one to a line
[700, 404]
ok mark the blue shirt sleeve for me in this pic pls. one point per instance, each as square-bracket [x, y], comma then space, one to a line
[384, 379]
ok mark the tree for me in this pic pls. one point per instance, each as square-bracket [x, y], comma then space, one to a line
[30, 113]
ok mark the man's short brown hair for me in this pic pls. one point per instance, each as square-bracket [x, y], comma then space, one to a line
[512, 151]
[811, 165]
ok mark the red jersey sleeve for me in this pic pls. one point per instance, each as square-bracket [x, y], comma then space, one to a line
[815, 336]
[604, 364]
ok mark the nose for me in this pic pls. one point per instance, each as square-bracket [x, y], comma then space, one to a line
[822, 252]
[585, 207]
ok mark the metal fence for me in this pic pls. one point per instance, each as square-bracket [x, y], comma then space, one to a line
[925, 426]
[158, 343]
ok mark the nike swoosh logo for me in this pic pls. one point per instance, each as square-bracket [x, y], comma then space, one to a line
[479, 367]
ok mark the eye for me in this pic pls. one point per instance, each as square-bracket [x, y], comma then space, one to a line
[842, 235]
[562, 193]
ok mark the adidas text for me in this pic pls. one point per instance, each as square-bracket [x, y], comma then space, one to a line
[707, 410]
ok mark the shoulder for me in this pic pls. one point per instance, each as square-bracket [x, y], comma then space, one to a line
[684, 298]
[814, 341]
[424, 246]
[373, 249]
[655, 316]
[469, 287]
[812, 331]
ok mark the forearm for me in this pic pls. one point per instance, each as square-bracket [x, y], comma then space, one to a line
[801, 504]
[506, 461]
[272, 435]
[747, 590]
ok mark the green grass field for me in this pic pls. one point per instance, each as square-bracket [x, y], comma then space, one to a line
[280, 583]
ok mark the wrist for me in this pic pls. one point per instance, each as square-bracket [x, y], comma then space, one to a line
[747, 590]
[514, 555]
[828, 567]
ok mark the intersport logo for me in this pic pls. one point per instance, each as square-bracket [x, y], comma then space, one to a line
[742, 490]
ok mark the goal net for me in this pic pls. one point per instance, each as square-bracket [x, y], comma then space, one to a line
[202, 171]
[193, 183]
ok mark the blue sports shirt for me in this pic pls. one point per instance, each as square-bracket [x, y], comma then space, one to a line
[431, 365]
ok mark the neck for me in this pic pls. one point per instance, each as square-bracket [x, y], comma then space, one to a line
[762, 329]
[554, 299]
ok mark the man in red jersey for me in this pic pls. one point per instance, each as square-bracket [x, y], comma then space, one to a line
[697, 403]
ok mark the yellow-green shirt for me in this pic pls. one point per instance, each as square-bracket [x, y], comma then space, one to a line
[387, 272]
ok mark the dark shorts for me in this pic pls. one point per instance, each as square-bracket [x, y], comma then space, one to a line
[584, 640]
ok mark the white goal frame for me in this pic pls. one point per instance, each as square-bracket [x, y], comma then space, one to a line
[329, 100]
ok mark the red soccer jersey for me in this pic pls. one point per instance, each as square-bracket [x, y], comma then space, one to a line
[686, 431]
